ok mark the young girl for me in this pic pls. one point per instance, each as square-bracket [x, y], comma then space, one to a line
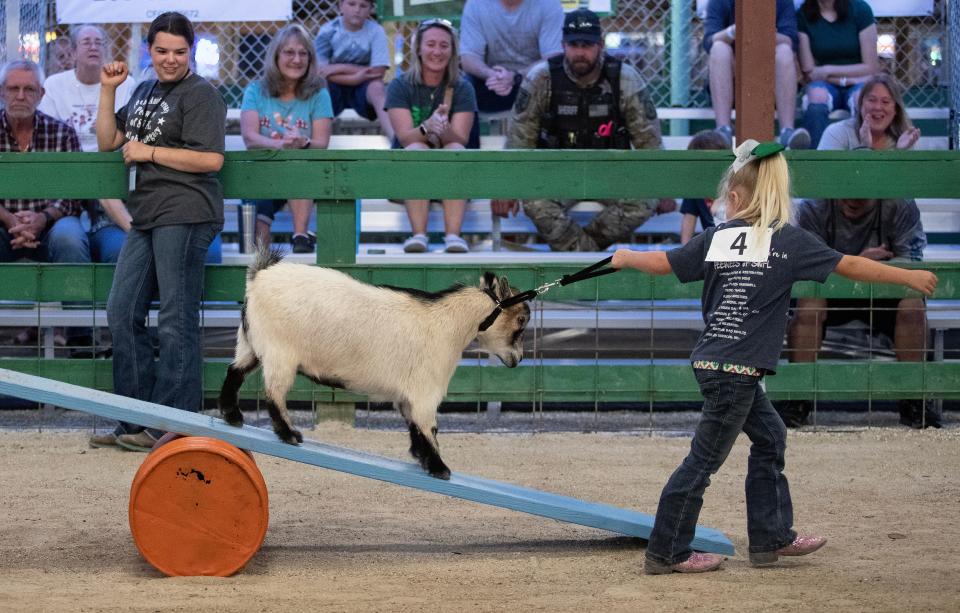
[748, 266]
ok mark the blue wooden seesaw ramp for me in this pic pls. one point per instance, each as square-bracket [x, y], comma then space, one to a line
[485, 491]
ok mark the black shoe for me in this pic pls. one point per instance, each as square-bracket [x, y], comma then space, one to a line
[302, 244]
[794, 413]
[918, 414]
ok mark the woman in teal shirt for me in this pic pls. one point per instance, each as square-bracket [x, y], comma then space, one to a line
[837, 53]
[289, 108]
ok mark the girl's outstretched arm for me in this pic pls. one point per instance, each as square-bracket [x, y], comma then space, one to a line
[652, 262]
[862, 269]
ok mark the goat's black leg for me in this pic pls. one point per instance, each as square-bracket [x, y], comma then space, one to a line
[281, 425]
[228, 400]
[427, 453]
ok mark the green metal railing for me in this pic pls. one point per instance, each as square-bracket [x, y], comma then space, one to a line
[337, 178]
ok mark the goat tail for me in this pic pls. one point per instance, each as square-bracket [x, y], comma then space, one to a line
[265, 258]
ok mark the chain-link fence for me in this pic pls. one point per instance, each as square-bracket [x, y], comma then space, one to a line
[911, 48]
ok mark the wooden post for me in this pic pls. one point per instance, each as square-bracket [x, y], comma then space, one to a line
[754, 81]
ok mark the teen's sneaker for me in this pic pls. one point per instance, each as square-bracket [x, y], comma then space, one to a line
[727, 133]
[797, 138]
[696, 563]
[455, 244]
[415, 244]
[302, 244]
[108, 439]
[141, 441]
[801, 546]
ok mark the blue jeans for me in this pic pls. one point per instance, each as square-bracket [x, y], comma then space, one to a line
[167, 261]
[65, 242]
[816, 117]
[107, 239]
[731, 403]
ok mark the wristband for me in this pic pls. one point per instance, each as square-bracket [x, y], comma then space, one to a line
[153, 155]
[307, 145]
[422, 129]
[47, 218]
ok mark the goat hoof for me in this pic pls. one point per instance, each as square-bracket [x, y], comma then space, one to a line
[438, 469]
[233, 417]
[443, 473]
[291, 437]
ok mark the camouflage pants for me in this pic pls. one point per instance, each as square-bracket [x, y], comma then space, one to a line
[615, 223]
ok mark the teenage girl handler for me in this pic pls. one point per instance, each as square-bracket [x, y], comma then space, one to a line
[748, 266]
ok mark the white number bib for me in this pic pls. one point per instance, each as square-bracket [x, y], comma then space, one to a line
[739, 244]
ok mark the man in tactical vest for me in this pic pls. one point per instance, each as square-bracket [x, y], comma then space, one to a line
[583, 99]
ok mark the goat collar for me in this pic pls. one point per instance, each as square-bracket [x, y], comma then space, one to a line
[594, 270]
[499, 305]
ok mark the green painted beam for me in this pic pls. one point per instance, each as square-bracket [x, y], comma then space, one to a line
[32, 282]
[349, 174]
[532, 382]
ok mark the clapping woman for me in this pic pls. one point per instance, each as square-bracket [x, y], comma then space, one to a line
[171, 134]
[432, 107]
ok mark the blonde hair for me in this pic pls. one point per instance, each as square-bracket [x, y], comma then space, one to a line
[765, 186]
[453, 68]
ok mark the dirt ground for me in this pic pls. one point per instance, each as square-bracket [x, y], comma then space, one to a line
[887, 499]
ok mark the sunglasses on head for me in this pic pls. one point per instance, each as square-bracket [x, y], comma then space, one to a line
[436, 21]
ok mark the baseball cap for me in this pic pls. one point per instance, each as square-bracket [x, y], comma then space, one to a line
[581, 25]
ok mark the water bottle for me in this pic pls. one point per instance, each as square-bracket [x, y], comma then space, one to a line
[248, 228]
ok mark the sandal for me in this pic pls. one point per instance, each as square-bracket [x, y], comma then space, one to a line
[415, 244]
[455, 244]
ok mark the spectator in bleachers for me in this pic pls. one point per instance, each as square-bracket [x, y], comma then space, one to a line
[550, 114]
[73, 96]
[41, 230]
[502, 40]
[719, 41]
[58, 56]
[882, 230]
[879, 121]
[432, 107]
[354, 57]
[693, 209]
[289, 108]
[172, 136]
[838, 54]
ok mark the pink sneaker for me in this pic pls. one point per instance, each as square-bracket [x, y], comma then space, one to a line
[696, 563]
[801, 546]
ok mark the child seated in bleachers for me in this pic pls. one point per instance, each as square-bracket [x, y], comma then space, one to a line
[354, 56]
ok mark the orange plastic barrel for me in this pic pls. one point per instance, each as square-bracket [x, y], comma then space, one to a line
[198, 506]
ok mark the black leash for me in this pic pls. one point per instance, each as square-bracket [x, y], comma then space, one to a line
[591, 271]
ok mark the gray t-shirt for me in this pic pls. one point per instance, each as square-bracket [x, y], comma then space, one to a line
[894, 223]
[745, 302]
[512, 38]
[844, 136]
[423, 100]
[335, 44]
[191, 115]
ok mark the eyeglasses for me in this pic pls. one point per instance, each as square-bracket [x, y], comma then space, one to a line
[436, 21]
[294, 53]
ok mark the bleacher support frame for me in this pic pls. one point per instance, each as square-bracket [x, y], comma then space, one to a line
[340, 177]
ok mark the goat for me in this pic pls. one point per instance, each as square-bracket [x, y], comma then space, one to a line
[392, 343]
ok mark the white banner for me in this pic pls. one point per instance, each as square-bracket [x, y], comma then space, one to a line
[144, 11]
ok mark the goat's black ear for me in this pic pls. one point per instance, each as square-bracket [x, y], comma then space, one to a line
[488, 280]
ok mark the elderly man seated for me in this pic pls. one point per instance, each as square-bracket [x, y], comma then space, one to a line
[887, 230]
